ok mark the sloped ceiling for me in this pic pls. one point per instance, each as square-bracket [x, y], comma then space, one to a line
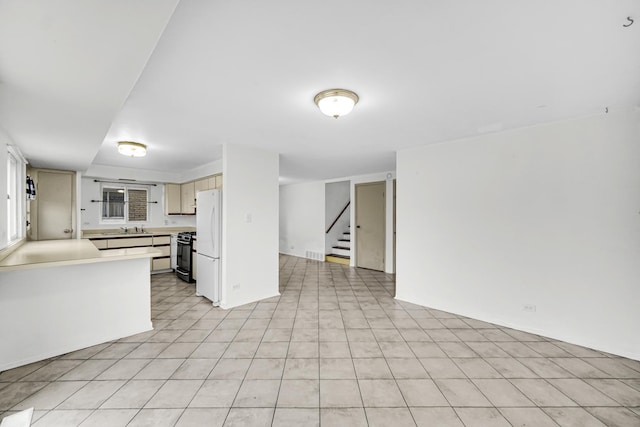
[246, 73]
[66, 69]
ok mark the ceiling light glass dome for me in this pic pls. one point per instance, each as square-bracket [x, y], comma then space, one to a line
[336, 102]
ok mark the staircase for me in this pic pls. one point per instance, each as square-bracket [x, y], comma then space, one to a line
[341, 251]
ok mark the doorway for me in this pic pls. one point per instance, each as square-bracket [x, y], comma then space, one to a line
[370, 225]
[54, 206]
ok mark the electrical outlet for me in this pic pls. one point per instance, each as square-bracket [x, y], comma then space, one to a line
[529, 308]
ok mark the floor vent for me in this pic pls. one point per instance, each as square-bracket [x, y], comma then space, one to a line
[318, 256]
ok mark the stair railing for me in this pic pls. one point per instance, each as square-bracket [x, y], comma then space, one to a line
[338, 217]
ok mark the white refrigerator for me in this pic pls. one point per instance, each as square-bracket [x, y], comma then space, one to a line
[209, 231]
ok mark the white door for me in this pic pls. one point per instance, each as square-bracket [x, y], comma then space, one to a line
[55, 205]
[370, 225]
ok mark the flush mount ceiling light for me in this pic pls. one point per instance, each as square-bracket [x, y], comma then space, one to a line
[132, 149]
[336, 102]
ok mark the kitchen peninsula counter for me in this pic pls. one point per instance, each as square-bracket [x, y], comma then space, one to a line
[49, 253]
[59, 296]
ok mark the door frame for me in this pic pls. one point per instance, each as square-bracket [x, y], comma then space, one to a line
[394, 224]
[384, 231]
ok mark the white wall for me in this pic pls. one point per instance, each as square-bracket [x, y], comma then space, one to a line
[302, 219]
[250, 225]
[212, 168]
[114, 172]
[337, 194]
[310, 197]
[545, 216]
[90, 190]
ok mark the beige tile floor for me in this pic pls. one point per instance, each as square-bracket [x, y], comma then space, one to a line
[335, 349]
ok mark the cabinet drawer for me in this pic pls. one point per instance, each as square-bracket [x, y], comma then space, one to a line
[129, 243]
[166, 250]
[161, 240]
[160, 263]
[100, 244]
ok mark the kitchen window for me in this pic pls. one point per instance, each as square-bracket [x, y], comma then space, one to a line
[125, 204]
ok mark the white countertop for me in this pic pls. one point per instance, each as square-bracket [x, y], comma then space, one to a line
[67, 252]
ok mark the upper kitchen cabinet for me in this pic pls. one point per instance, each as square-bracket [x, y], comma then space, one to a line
[180, 199]
[209, 183]
[215, 182]
[201, 185]
[172, 205]
[188, 198]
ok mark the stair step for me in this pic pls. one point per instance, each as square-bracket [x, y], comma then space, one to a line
[341, 247]
[338, 259]
[341, 251]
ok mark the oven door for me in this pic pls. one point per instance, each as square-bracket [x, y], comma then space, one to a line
[183, 259]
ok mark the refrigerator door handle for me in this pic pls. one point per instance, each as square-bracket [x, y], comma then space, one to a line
[213, 227]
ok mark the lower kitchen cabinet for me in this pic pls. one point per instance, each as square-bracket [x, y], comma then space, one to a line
[100, 244]
[132, 242]
[160, 264]
[161, 242]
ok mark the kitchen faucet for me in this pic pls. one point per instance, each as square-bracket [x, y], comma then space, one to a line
[125, 229]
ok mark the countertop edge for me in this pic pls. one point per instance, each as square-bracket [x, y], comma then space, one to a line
[90, 258]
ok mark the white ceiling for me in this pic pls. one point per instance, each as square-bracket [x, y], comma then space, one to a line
[246, 72]
[66, 68]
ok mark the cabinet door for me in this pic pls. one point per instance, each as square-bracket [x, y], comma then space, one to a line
[100, 244]
[161, 240]
[160, 264]
[172, 204]
[188, 198]
[165, 250]
[132, 242]
[201, 185]
[212, 183]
